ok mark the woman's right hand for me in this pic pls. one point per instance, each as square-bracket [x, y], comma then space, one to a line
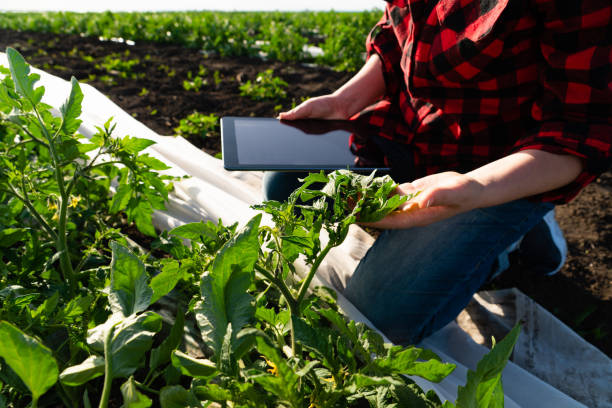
[320, 107]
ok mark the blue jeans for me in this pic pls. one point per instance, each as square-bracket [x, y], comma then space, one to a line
[414, 281]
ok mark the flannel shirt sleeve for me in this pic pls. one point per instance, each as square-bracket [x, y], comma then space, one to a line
[383, 41]
[574, 110]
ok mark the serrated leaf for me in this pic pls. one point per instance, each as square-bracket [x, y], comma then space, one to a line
[143, 219]
[193, 367]
[432, 370]
[23, 80]
[75, 308]
[71, 109]
[197, 231]
[129, 292]
[79, 374]
[132, 398]
[21, 353]
[47, 307]
[134, 145]
[121, 198]
[152, 162]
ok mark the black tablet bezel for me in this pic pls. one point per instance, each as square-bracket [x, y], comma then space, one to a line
[229, 152]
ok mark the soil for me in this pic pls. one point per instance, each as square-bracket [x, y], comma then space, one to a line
[580, 295]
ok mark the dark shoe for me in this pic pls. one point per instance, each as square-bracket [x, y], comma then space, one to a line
[543, 250]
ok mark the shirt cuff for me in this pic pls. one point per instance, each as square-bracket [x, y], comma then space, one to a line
[382, 41]
[591, 143]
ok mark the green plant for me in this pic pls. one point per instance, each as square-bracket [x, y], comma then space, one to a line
[263, 338]
[63, 166]
[199, 125]
[116, 65]
[266, 86]
[194, 83]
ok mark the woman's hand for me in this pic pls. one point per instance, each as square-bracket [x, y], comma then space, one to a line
[519, 175]
[321, 107]
[441, 196]
[363, 89]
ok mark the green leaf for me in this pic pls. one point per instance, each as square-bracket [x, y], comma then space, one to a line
[166, 280]
[161, 355]
[47, 307]
[132, 398]
[131, 339]
[193, 367]
[363, 381]
[129, 292]
[177, 397]
[197, 231]
[152, 162]
[10, 236]
[212, 392]
[79, 374]
[71, 109]
[404, 361]
[134, 145]
[22, 353]
[24, 81]
[484, 388]
[143, 218]
[432, 370]
[284, 383]
[223, 290]
[411, 395]
[75, 308]
[121, 198]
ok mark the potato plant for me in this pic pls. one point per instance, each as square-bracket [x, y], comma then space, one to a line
[93, 327]
[265, 86]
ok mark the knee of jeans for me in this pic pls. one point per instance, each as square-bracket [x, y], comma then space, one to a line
[278, 185]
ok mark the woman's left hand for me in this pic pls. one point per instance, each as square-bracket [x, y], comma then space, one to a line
[441, 196]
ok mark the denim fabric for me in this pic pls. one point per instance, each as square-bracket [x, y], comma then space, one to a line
[413, 282]
[278, 185]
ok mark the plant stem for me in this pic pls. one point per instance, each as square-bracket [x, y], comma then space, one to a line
[311, 274]
[145, 388]
[108, 375]
[34, 402]
[33, 211]
[280, 285]
[61, 242]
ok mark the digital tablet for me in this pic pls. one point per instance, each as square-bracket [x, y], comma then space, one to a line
[250, 143]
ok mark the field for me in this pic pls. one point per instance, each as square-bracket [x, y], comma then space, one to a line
[162, 80]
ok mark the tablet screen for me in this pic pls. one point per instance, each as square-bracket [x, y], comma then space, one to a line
[269, 144]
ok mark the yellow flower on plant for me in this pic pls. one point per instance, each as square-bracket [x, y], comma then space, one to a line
[330, 380]
[55, 217]
[273, 368]
[74, 201]
[52, 206]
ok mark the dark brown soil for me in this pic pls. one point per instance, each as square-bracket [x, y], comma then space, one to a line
[580, 295]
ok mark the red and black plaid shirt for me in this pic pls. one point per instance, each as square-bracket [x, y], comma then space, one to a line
[468, 82]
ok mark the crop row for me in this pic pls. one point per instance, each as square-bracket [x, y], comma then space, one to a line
[284, 36]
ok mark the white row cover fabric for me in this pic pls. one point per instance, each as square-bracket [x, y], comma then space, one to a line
[552, 366]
